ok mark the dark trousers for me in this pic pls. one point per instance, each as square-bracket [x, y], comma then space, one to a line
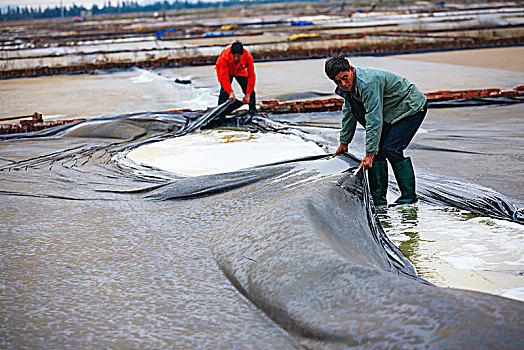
[395, 138]
[242, 81]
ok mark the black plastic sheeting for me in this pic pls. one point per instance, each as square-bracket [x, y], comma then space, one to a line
[314, 258]
[476, 199]
[476, 101]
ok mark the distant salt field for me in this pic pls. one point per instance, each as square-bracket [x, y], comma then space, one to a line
[105, 94]
[144, 227]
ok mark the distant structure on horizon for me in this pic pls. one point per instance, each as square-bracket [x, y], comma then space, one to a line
[55, 10]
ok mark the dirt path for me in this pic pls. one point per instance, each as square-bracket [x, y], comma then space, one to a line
[504, 58]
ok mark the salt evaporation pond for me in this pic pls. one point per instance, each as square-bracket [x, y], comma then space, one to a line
[106, 253]
[281, 255]
[222, 151]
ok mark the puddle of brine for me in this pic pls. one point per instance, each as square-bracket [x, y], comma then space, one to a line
[453, 248]
[221, 151]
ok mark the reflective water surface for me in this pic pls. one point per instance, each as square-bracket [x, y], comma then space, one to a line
[462, 251]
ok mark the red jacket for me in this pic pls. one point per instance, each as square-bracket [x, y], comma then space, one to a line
[226, 67]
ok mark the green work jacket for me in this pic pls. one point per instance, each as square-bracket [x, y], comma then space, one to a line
[386, 97]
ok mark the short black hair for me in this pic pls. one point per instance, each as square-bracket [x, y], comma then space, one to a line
[335, 65]
[237, 47]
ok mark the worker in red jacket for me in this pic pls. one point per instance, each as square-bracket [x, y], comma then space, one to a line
[236, 62]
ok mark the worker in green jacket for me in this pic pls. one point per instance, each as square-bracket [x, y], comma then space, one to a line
[391, 109]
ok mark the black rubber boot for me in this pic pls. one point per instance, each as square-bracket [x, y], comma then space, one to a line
[253, 104]
[378, 182]
[405, 176]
